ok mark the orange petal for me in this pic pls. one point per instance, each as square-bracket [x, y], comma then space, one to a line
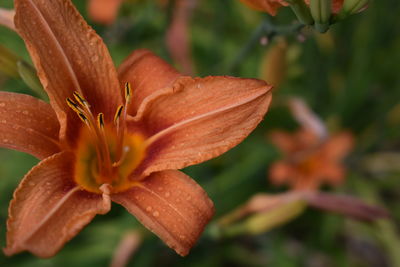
[202, 119]
[281, 172]
[338, 146]
[148, 75]
[269, 6]
[104, 11]
[7, 18]
[171, 205]
[48, 209]
[28, 124]
[333, 173]
[68, 55]
[284, 141]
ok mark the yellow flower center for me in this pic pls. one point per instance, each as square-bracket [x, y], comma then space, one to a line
[91, 171]
[106, 153]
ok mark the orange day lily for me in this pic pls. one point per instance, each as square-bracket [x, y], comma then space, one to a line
[309, 161]
[99, 143]
[312, 156]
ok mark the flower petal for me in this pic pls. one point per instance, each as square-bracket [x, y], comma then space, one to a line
[338, 146]
[68, 55]
[104, 11]
[172, 206]
[282, 172]
[202, 119]
[48, 209]
[28, 124]
[7, 18]
[148, 75]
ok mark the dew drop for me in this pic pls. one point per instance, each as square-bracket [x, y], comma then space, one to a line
[5, 140]
[2, 104]
[149, 208]
[156, 213]
[31, 183]
[167, 194]
[25, 112]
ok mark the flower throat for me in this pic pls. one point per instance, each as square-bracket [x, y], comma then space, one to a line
[106, 153]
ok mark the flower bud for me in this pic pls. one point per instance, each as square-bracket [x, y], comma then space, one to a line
[321, 11]
[274, 64]
[354, 6]
[301, 11]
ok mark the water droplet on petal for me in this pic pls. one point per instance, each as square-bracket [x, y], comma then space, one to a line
[156, 214]
[167, 194]
[149, 208]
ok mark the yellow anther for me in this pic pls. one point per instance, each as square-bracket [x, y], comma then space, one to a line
[73, 105]
[100, 120]
[83, 117]
[128, 92]
[118, 113]
[81, 100]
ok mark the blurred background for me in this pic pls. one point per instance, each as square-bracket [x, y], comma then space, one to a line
[348, 76]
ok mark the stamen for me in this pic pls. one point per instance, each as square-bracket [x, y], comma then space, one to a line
[128, 92]
[81, 100]
[83, 118]
[73, 105]
[118, 114]
[100, 120]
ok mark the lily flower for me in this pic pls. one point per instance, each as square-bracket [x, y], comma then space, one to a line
[111, 135]
[309, 162]
[312, 156]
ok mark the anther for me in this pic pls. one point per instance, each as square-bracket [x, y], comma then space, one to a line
[83, 118]
[81, 100]
[118, 113]
[128, 92]
[71, 103]
[100, 120]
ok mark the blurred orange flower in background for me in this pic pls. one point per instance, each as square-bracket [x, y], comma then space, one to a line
[309, 161]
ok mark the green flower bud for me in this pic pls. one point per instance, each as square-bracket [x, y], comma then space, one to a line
[354, 6]
[301, 11]
[321, 11]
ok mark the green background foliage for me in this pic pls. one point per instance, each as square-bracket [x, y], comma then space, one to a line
[353, 84]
